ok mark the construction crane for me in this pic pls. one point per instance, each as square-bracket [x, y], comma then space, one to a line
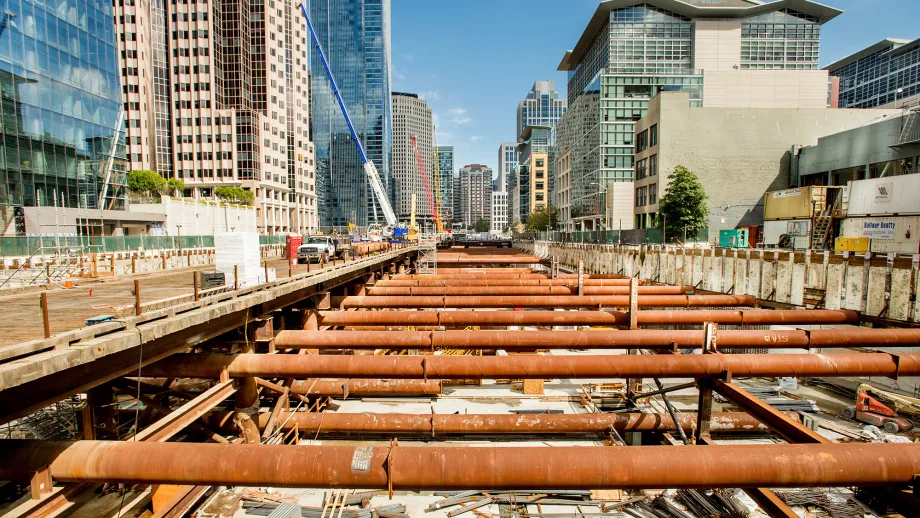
[436, 177]
[373, 177]
[420, 167]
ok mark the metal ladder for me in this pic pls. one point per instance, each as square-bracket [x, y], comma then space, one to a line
[820, 232]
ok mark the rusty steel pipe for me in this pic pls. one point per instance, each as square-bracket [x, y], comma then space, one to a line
[471, 280]
[470, 275]
[463, 467]
[335, 422]
[491, 260]
[365, 387]
[585, 318]
[549, 301]
[206, 365]
[525, 290]
[530, 340]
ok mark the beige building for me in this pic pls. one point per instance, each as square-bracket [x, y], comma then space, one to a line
[412, 118]
[220, 97]
[564, 185]
[738, 153]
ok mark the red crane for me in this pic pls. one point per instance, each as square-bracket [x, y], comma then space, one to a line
[420, 166]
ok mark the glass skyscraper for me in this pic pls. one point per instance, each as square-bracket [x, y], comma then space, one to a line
[355, 34]
[446, 170]
[882, 74]
[541, 107]
[61, 104]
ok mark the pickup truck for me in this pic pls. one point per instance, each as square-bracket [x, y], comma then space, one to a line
[320, 248]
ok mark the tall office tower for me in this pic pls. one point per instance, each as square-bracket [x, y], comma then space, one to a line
[475, 194]
[60, 137]
[218, 95]
[541, 107]
[412, 118]
[883, 75]
[446, 168]
[355, 35]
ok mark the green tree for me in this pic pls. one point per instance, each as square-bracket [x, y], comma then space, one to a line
[146, 182]
[543, 220]
[175, 186]
[236, 195]
[683, 210]
[481, 226]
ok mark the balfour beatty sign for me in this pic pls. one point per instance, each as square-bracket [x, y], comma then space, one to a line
[884, 229]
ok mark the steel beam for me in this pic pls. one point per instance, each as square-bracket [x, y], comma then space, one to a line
[538, 367]
[464, 467]
[585, 318]
[597, 339]
[524, 290]
[550, 301]
[470, 279]
[770, 503]
[174, 422]
[470, 424]
[340, 388]
[786, 427]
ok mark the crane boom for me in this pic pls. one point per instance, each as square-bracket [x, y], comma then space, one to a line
[373, 177]
[420, 167]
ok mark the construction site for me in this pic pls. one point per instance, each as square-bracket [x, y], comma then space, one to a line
[474, 381]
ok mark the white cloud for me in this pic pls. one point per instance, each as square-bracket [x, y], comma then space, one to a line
[475, 138]
[459, 117]
[432, 95]
[408, 58]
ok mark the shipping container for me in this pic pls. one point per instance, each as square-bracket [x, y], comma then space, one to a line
[892, 195]
[851, 244]
[800, 203]
[886, 234]
[733, 238]
[799, 231]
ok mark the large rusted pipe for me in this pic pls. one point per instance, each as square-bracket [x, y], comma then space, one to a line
[365, 387]
[529, 340]
[205, 365]
[498, 275]
[463, 467]
[526, 290]
[471, 280]
[491, 260]
[330, 422]
[550, 301]
[585, 318]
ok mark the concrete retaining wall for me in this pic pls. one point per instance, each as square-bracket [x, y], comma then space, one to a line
[876, 285]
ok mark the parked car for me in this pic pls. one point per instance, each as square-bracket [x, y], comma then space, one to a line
[318, 248]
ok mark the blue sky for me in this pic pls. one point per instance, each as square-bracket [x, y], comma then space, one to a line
[473, 60]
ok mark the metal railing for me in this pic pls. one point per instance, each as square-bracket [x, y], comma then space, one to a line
[650, 236]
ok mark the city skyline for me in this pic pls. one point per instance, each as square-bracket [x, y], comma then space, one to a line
[477, 116]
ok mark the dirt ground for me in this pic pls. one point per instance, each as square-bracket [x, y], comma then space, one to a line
[69, 308]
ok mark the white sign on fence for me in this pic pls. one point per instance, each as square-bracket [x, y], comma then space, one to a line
[884, 229]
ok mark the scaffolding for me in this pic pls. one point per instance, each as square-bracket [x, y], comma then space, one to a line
[428, 254]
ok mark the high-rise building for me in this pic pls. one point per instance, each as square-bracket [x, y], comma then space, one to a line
[507, 164]
[751, 53]
[541, 107]
[446, 169]
[475, 194]
[355, 35]
[534, 171]
[60, 122]
[218, 96]
[883, 75]
[412, 118]
[499, 221]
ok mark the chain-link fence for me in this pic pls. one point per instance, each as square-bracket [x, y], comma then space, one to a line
[650, 236]
[18, 246]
